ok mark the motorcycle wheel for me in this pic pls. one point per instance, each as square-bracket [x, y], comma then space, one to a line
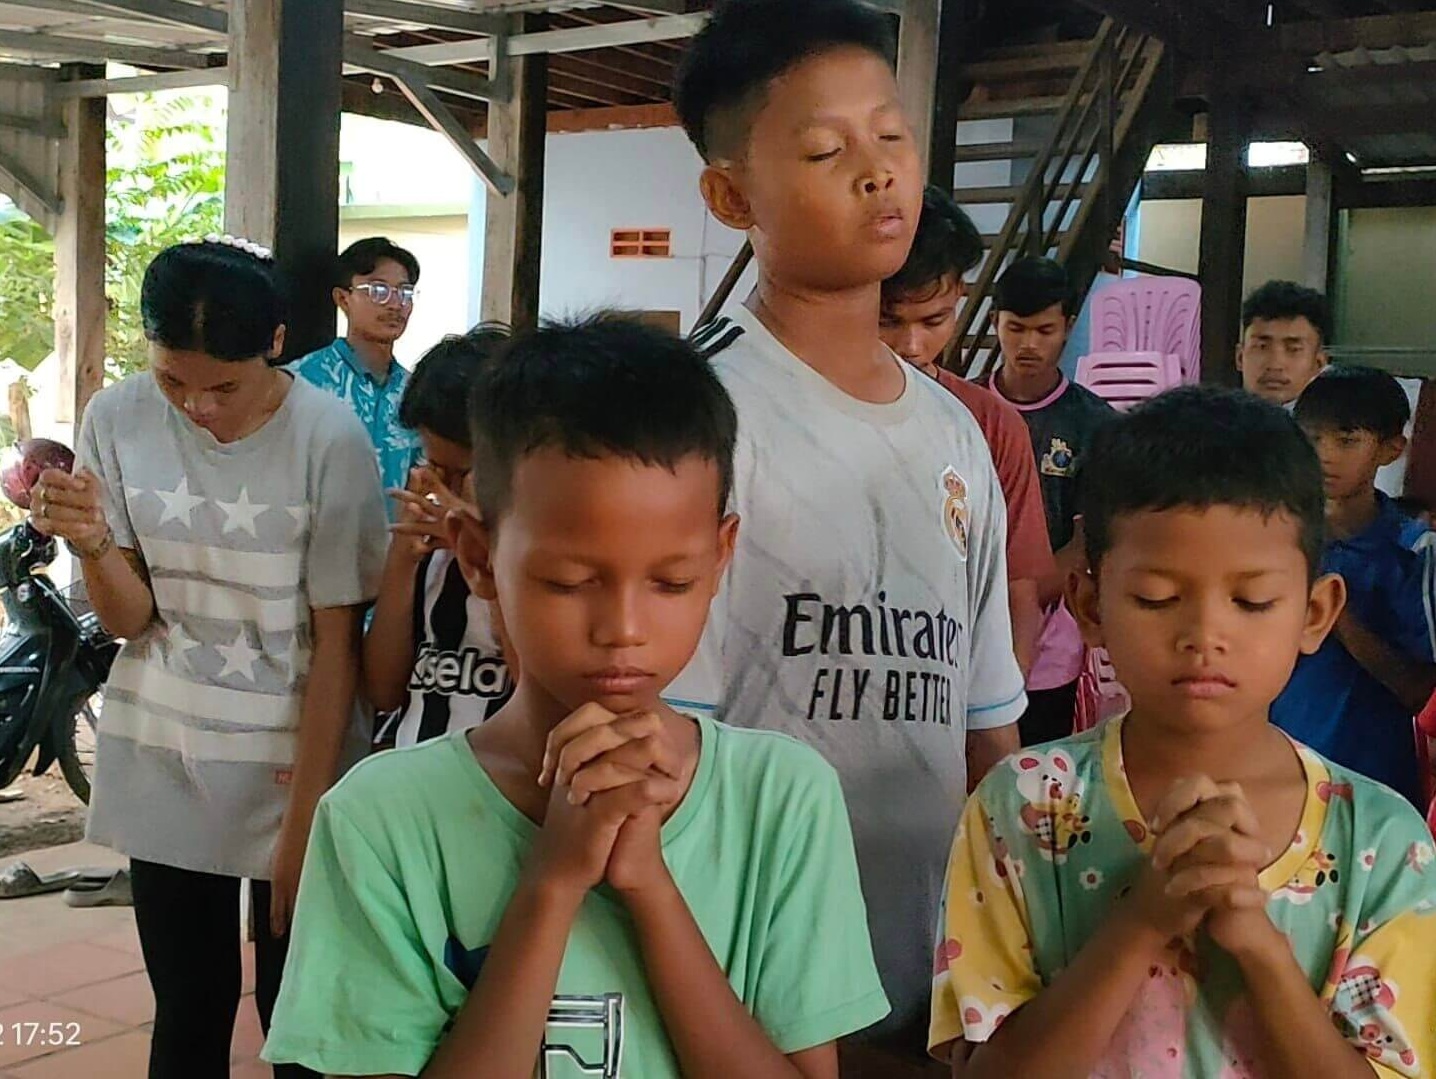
[76, 751]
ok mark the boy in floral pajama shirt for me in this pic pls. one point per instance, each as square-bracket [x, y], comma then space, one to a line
[1185, 891]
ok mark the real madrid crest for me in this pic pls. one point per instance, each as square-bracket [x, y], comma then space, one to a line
[956, 514]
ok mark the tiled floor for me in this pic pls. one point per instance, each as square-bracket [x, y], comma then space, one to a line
[79, 975]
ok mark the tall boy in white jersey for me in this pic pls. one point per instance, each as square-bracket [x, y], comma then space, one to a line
[867, 601]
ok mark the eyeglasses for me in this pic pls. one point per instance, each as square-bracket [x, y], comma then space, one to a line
[380, 293]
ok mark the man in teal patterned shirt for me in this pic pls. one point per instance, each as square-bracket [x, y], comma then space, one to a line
[374, 287]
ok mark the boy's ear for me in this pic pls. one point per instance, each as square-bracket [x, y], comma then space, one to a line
[1390, 450]
[473, 547]
[725, 198]
[276, 347]
[1084, 603]
[1323, 608]
[341, 299]
[727, 542]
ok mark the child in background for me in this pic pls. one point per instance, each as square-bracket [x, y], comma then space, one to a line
[433, 654]
[919, 319]
[1185, 891]
[1035, 307]
[1285, 331]
[866, 611]
[1353, 700]
[589, 883]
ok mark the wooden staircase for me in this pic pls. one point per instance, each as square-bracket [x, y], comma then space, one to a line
[1051, 145]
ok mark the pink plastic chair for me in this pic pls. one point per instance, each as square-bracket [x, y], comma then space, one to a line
[1151, 314]
[1122, 379]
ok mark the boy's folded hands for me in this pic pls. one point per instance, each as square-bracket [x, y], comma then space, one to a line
[1204, 867]
[613, 780]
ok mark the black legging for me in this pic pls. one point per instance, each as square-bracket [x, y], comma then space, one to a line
[189, 932]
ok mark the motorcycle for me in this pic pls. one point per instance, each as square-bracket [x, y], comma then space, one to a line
[54, 657]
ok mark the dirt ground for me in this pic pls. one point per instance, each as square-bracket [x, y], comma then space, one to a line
[49, 814]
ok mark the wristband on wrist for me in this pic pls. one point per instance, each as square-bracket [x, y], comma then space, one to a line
[95, 553]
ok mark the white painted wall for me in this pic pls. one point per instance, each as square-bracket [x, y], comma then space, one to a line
[599, 181]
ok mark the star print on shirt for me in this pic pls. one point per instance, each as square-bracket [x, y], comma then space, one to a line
[179, 503]
[239, 516]
[239, 657]
[181, 644]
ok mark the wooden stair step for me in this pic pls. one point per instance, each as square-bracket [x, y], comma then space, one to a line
[978, 196]
[997, 151]
[1080, 48]
[1012, 107]
[1021, 68]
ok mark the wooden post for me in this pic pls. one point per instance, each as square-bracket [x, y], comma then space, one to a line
[20, 411]
[917, 70]
[1421, 458]
[1224, 230]
[958, 42]
[80, 252]
[282, 178]
[513, 230]
[1320, 222]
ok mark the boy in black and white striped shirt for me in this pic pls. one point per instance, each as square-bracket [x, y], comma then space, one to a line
[433, 654]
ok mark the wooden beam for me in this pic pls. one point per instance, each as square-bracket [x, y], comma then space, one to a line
[1342, 35]
[78, 48]
[1374, 194]
[282, 184]
[37, 198]
[1191, 183]
[1187, 27]
[428, 15]
[513, 232]
[917, 69]
[1320, 224]
[573, 39]
[44, 126]
[959, 40]
[428, 105]
[1223, 238]
[170, 12]
[619, 117]
[80, 255]
[142, 84]
[359, 52]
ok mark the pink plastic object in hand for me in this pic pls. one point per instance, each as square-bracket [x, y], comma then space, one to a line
[24, 463]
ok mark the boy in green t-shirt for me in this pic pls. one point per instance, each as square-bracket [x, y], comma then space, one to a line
[589, 884]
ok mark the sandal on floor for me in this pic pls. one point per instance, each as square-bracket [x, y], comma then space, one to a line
[113, 890]
[18, 880]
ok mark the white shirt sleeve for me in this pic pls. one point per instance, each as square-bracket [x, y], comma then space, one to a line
[995, 696]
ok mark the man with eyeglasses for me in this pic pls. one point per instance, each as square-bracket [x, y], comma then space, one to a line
[374, 287]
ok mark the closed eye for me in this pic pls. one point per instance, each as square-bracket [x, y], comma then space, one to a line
[1154, 604]
[1254, 607]
[829, 155]
[675, 588]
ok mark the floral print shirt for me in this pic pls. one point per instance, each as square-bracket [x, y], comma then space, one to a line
[1053, 836]
[338, 371]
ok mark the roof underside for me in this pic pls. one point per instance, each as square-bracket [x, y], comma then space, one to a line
[151, 34]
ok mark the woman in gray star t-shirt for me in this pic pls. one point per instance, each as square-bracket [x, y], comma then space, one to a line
[230, 526]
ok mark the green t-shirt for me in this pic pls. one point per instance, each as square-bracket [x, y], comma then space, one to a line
[415, 855]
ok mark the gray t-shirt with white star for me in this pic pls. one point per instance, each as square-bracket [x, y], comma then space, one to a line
[198, 733]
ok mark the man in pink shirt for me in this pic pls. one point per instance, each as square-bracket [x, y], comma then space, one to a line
[919, 318]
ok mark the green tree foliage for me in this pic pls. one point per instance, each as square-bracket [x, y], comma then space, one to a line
[164, 185]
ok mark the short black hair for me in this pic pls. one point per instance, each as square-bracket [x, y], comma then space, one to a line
[362, 256]
[1031, 285]
[1198, 447]
[1351, 398]
[1287, 299]
[437, 396]
[604, 385]
[947, 244]
[724, 76]
[213, 298]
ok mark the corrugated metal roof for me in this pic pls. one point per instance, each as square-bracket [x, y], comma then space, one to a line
[1398, 84]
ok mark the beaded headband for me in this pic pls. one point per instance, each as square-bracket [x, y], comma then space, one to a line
[249, 247]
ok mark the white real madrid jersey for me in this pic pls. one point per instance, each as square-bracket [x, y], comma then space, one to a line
[865, 613]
